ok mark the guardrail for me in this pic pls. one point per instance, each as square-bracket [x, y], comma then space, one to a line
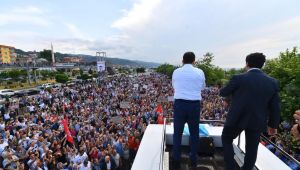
[288, 156]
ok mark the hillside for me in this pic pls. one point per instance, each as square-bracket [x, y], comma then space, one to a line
[89, 58]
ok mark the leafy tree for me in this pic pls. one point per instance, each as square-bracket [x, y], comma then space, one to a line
[46, 54]
[61, 78]
[166, 69]
[14, 74]
[85, 77]
[213, 74]
[286, 69]
[140, 70]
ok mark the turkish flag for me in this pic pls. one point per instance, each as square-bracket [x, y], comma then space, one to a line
[160, 119]
[159, 109]
[67, 131]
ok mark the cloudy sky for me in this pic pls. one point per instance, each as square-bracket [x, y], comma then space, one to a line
[153, 30]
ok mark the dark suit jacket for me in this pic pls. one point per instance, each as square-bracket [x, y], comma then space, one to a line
[255, 101]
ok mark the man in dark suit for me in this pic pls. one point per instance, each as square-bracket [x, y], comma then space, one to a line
[254, 108]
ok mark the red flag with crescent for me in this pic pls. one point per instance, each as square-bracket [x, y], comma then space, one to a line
[67, 131]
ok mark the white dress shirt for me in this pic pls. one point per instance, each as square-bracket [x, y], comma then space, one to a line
[188, 81]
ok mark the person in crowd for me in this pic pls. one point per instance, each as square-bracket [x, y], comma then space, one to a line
[255, 100]
[37, 132]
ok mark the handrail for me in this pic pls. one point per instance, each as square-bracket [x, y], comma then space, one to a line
[205, 121]
[281, 150]
[161, 161]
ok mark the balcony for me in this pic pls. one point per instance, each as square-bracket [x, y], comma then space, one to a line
[156, 149]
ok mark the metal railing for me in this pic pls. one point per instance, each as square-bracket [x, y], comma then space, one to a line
[163, 145]
[284, 153]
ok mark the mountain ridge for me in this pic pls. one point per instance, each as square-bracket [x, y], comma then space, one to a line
[90, 58]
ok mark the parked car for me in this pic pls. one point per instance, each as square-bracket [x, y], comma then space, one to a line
[7, 92]
[2, 101]
[21, 93]
[33, 91]
[47, 85]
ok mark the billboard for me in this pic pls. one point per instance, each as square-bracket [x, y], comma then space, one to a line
[100, 66]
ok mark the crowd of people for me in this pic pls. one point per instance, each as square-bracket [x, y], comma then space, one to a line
[94, 125]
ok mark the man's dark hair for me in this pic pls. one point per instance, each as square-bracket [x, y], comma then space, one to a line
[256, 60]
[188, 58]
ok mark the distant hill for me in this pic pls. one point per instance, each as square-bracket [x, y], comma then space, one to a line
[89, 58]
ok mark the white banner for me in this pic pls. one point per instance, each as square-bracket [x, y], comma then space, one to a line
[100, 66]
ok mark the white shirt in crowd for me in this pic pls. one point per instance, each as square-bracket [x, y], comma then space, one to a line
[188, 81]
[117, 159]
[88, 167]
[108, 165]
[80, 158]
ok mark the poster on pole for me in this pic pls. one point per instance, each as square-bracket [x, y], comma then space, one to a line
[100, 66]
[117, 119]
[124, 105]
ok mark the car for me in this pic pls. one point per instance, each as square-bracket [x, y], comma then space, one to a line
[7, 92]
[57, 86]
[21, 93]
[2, 101]
[47, 85]
[33, 91]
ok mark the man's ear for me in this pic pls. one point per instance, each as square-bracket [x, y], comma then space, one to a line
[247, 66]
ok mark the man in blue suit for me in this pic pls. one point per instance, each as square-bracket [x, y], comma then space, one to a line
[254, 109]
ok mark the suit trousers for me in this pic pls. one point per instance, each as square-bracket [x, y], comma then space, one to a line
[252, 141]
[186, 112]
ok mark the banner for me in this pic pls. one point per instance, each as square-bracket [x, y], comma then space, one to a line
[124, 105]
[100, 66]
[67, 131]
[117, 119]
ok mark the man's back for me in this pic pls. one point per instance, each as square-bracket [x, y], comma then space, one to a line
[188, 82]
[254, 100]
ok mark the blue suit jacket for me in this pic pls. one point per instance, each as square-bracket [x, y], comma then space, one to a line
[254, 101]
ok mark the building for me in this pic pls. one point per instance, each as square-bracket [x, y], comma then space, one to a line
[72, 60]
[7, 54]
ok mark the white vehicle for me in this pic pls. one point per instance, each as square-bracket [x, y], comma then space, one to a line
[7, 92]
[47, 85]
[2, 101]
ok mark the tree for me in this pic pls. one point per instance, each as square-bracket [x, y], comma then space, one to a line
[213, 74]
[140, 70]
[166, 69]
[286, 69]
[14, 74]
[46, 54]
[61, 78]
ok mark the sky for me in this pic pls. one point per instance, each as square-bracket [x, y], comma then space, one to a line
[153, 30]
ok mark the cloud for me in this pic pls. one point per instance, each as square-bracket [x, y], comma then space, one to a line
[27, 10]
[74, 30]
[137, 17]
[270, 40]
[29, 15]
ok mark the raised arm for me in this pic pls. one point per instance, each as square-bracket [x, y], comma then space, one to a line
[230, 87]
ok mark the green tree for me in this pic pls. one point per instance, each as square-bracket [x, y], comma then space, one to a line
[14, 74]
[166, 69]
[61, 78]
[46, 54]
[286, 69]
[140, 70]
[213, 74]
